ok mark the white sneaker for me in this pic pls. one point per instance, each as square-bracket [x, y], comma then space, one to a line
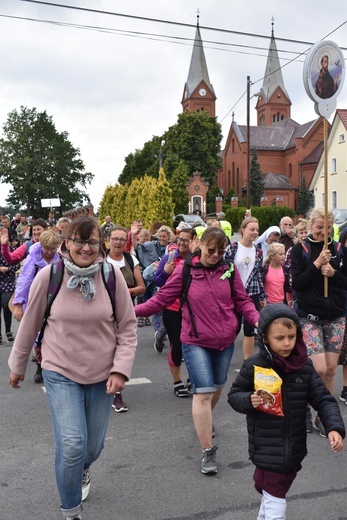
[85, 484]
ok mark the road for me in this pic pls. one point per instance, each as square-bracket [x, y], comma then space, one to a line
[149, 469]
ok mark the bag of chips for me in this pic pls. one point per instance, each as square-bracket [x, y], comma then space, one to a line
[267, 384]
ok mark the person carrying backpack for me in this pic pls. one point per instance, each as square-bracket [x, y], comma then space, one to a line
[87, 355]
[130, 268]
[323, 318]
[212, 292]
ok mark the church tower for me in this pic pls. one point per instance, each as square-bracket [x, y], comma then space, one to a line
[273, 102]
[198, 94]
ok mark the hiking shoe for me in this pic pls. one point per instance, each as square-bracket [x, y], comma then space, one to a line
[309, 425]
[140, 322]
[158, 345]
[180, 390]
[118, 403]
[148, 322]
[213, 431]
[85, 484]
[319, 426]
[208, 462]
[9, 336]
[343, 396]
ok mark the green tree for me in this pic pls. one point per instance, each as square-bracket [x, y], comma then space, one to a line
[178, 182]
[196, 139]
[40, 163]
[256, 180]
[304, 199]
[162, 200]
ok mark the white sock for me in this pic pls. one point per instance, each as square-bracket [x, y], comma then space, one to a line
[274, 508]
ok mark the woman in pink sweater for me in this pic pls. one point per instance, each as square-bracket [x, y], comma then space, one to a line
[87, 356]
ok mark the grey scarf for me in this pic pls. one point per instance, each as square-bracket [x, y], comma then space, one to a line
[83, 277]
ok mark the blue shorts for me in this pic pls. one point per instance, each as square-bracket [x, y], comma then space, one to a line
[207, 367]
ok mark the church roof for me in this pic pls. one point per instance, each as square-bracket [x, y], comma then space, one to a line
[277, 181]
[273, 74]
[278, 136]
[198, 69]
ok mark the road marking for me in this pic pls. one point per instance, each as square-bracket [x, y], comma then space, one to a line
[138, 381]
[134, 381]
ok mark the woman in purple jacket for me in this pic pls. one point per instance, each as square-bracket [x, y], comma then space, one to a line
[209, 327]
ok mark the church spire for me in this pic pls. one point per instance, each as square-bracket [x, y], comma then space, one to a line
[273, 74]
[274, 102]
[198, 90]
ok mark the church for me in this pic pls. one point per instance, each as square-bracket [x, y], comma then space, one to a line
[287, 151]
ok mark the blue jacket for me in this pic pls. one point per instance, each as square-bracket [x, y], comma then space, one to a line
[33, 263]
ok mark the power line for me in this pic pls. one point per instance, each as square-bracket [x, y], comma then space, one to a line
[170, 22]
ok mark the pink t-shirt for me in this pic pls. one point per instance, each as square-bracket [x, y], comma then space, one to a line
[274, 285]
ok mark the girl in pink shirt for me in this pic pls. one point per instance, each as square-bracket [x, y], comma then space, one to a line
[276, 276]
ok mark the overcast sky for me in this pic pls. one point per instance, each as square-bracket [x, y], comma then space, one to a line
[114, 87]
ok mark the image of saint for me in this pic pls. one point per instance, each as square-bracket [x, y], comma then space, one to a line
[326, 85]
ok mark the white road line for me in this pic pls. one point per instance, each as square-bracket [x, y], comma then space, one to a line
[134, 381]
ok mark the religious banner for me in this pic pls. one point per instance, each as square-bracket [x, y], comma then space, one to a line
[324, 75]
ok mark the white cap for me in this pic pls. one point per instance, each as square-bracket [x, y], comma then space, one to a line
[183, 225]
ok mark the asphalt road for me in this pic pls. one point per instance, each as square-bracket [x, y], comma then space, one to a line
[150, 467]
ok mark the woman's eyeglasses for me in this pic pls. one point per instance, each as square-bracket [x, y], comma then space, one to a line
[93, 244]
[183, 241]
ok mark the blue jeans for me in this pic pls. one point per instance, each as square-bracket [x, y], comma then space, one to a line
[80, 415]
[207, 367]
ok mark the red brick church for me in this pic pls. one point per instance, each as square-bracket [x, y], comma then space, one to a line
[287, 151]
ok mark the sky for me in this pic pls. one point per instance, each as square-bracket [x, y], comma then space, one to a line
[113, 82]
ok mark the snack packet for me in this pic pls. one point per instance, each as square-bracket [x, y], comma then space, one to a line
[267, 384]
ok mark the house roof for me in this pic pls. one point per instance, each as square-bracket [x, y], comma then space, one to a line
[198, 68]
[278, 136]
[277, 181]
[343, 116]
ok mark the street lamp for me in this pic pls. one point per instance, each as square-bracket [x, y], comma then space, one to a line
[249, 97]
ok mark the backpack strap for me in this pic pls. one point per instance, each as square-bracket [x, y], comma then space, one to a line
[55, 281]
[128, 257]
[186, 281]
[109, 279]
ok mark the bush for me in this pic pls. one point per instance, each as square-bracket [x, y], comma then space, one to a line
[267, 216]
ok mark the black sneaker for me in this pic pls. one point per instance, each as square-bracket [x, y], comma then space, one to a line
[158, 344]
[85, 484]
[180, 390]
[319, 427]
[118, 403]
[213, 431]
[309, 425]
[343, 396]
[208, 462]
[38, 375]
[147, 322]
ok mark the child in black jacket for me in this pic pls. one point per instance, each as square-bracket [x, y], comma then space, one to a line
[276, 419]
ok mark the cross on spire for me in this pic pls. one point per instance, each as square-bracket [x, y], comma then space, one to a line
[272, 23]
[197, 16]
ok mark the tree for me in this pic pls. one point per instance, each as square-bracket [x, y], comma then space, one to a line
[40, 163]
[256, 180]
[304, 199]
[178, 182]
[194, 141]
